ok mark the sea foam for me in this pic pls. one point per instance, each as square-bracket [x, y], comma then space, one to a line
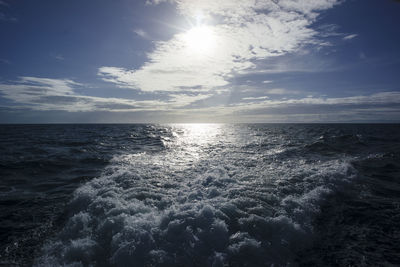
[196, 205]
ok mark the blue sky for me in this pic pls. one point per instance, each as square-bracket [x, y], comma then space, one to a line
[199, 61]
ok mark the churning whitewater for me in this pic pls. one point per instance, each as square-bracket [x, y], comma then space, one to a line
[204, 196]
[217, 195]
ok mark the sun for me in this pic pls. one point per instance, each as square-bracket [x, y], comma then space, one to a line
[200, 39]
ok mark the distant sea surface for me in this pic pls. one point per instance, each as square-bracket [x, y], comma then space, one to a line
[200, 195]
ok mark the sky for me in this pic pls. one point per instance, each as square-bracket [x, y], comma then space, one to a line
[162, 61]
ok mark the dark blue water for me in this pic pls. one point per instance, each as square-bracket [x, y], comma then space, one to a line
[200, 195]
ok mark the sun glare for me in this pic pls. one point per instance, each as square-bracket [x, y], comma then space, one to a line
[200, 39]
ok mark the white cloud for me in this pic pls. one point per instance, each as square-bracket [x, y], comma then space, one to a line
[267, 91]
[142, 33]
[238, 34]
[350, 36]
[60, 94]
[375, 107]
[45, 94]
[355, 108]
[256, 98]
[156, 2]
[383, 98]
[58, 56]
[329, 30]
[279, 91]
[184, 100]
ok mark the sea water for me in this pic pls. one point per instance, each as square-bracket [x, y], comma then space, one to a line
[200, 195]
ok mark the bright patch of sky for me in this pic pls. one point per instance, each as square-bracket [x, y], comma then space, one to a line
[199, 61]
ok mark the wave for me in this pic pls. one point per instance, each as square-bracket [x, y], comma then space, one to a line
[199, 195]
[176, 208]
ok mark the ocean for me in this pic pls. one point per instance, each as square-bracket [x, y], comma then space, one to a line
[200, 195]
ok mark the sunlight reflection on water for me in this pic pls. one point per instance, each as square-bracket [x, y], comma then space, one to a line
[192, 140]
[198, 133]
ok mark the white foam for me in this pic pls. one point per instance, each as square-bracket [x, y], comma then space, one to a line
[188, 205]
